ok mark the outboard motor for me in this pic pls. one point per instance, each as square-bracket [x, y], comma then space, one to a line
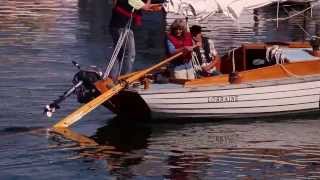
[87, 91]
[83, 86]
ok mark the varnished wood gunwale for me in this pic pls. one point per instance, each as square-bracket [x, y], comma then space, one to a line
[265, 73]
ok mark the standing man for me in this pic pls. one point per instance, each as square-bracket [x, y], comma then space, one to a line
[121, 14]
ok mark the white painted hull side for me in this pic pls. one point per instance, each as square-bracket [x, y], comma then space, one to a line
[234, 101]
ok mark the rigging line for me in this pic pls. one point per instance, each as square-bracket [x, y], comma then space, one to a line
[278, 7]
[118, 46]
[271, 19]
[195, 64]
[233, 58]
[125, 44]
[286, 18]
[292, 9]
[123, 54]
[307, 33]
[114, 54]
[312, 36]
[288, 72]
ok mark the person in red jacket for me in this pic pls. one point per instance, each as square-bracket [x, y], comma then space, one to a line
[178, 39]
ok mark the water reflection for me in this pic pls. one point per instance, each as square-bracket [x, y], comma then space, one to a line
[129, 140]
[124, 136]
[264, 149]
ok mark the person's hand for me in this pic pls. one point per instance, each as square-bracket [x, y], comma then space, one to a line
[198, 44]
[152, 7]
[146, 7]
[188, 48]
[156, 7]
[206, 68]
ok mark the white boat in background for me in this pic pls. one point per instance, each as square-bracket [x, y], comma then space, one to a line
[265, 89]
[204, 8]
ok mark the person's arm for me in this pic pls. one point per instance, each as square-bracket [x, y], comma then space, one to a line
[171, 48]
[215, 59]
[136, 4]
[213, 51]
[139, 4]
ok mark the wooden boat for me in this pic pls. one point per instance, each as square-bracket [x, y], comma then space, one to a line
[245, 89]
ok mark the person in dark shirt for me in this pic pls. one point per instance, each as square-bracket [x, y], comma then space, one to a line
[121, 14]
[205, 53]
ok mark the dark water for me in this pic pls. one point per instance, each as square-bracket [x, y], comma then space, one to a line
[38, 41]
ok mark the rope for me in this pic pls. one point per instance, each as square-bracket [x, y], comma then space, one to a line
[278, 7]
[122, 38]
[289, 17]
[288, 72]
[199, 19]
[268, 54]
[233, 61]
[114, 55]
[123, 54]
[195, 64]
[307, 33]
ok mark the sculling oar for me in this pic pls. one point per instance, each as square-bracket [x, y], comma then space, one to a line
[91, 105]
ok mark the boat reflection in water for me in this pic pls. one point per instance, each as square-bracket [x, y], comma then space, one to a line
[263, 149]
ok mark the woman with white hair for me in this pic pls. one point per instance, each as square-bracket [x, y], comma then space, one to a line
[179, 40]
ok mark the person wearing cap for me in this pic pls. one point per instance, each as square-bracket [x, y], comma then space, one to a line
[205, 53]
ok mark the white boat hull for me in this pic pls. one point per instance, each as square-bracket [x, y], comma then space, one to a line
[234, 101]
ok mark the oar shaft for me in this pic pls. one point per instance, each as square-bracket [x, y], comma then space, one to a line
[140, 74]
[86, 108]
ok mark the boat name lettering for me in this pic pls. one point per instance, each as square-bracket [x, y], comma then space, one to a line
[222, 99]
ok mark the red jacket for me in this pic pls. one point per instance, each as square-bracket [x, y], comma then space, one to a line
[186, 40]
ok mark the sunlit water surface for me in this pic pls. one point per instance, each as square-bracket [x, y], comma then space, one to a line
[38, 41]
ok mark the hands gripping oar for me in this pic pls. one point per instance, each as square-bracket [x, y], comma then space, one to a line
[91, 105]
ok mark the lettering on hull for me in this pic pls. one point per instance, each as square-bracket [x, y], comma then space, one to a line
[222, 99]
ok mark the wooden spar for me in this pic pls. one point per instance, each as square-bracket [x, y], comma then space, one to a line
[86, 108]
[84, 141]
[127, 75]
[79, 138]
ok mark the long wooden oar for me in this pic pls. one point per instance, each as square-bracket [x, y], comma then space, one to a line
[85, 109]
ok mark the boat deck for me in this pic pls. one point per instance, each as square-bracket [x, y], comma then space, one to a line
[298, 54]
